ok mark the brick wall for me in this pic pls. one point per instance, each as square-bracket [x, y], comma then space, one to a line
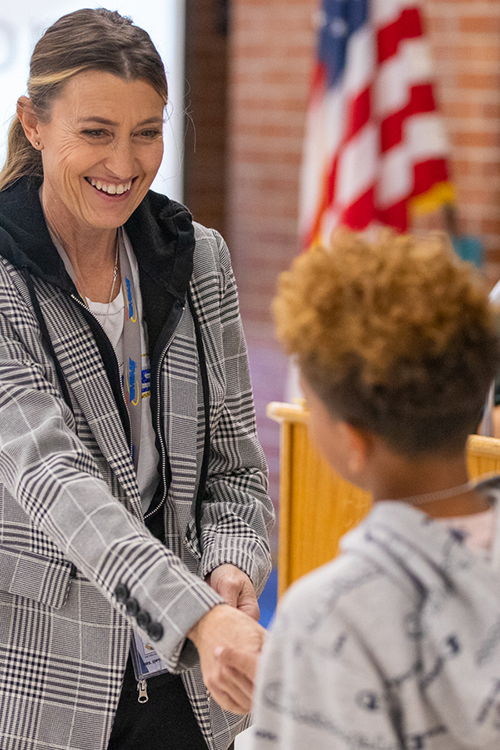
[271, 53]
[271, 49]
[465, 42]
[205, 144]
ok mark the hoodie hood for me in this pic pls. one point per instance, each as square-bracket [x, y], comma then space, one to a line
[456, 621]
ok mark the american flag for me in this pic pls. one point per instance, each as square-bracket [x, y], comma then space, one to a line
[375, 150]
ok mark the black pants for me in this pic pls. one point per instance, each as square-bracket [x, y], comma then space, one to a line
[165, 722]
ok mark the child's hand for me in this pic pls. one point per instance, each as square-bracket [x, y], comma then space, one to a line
[229, 643]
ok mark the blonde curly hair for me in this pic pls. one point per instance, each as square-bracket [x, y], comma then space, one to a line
[396, 336]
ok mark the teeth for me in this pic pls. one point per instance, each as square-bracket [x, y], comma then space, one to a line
[111, 189]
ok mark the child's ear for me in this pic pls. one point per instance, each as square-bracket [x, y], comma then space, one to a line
[359, 448]
[29, 121]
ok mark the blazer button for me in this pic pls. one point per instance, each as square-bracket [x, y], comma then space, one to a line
[143, 618]
[155, 631]
[121, 593]
[132, 606]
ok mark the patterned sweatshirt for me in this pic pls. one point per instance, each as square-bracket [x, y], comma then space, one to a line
[395, 644]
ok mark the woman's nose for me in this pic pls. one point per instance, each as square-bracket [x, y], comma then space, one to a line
[120, 160]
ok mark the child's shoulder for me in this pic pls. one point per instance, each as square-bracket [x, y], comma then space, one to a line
[348, 607]
[345, 589]
[342, 574]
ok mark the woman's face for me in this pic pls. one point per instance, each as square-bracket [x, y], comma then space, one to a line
[101, 149]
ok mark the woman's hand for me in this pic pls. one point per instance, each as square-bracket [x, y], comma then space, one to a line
[236, 589]
[229, 643]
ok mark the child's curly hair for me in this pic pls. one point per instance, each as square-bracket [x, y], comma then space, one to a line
[396, 336]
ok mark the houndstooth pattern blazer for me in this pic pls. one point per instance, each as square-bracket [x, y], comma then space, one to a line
[71, 525]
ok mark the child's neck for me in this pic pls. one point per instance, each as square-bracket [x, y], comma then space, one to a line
[398, 477]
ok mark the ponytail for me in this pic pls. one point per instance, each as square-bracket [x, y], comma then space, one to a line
[22, 158]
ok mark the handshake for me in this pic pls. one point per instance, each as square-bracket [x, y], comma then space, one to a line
[229, 640]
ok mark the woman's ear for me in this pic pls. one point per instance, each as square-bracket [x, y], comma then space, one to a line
[29, 122]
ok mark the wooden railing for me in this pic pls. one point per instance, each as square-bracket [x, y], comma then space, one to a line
[317, 507]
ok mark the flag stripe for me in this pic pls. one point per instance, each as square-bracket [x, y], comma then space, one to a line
[407, 26]
[394, 216]
[427, 173]
[411, 67]
[358, 113]
[356, 170]
[391, 129]
[354, 216]
[318, 84]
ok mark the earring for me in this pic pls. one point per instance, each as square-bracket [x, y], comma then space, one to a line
[37, 144]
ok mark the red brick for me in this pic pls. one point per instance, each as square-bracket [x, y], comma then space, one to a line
[465, 54]
[490, 168]
[478, 24]
[477, 138]
[479, 81]
[491, 226]
[494, 256]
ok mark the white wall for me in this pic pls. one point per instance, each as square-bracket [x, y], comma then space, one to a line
[23, 21]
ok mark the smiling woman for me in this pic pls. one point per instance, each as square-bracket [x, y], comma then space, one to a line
[132, 484]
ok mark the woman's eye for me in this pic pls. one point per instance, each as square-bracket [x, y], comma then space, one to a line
[150, 134]
[95, 133]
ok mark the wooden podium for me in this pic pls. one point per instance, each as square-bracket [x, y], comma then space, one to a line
[317, 507]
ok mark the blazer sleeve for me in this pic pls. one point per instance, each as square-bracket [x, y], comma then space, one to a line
[238, 513]
[51, 474]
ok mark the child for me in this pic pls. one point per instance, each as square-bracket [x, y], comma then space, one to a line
[396, 643]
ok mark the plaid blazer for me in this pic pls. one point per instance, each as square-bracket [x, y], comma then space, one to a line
[71, 523]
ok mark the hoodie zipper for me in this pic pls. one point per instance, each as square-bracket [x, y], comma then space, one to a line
[142, 687]
[163, 456]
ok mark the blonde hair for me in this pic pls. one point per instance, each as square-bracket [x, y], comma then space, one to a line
[395, 335]
[84, 40]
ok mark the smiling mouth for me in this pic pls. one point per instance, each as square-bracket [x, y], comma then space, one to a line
[110, 188]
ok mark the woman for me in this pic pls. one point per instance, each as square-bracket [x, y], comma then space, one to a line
[125, 404]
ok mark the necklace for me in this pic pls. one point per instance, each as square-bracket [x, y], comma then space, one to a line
[77, 281]
[429, 497]
[81, 288]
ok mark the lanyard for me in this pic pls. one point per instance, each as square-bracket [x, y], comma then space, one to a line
[133, 347]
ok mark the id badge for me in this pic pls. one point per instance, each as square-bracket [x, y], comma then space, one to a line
[145, 659]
